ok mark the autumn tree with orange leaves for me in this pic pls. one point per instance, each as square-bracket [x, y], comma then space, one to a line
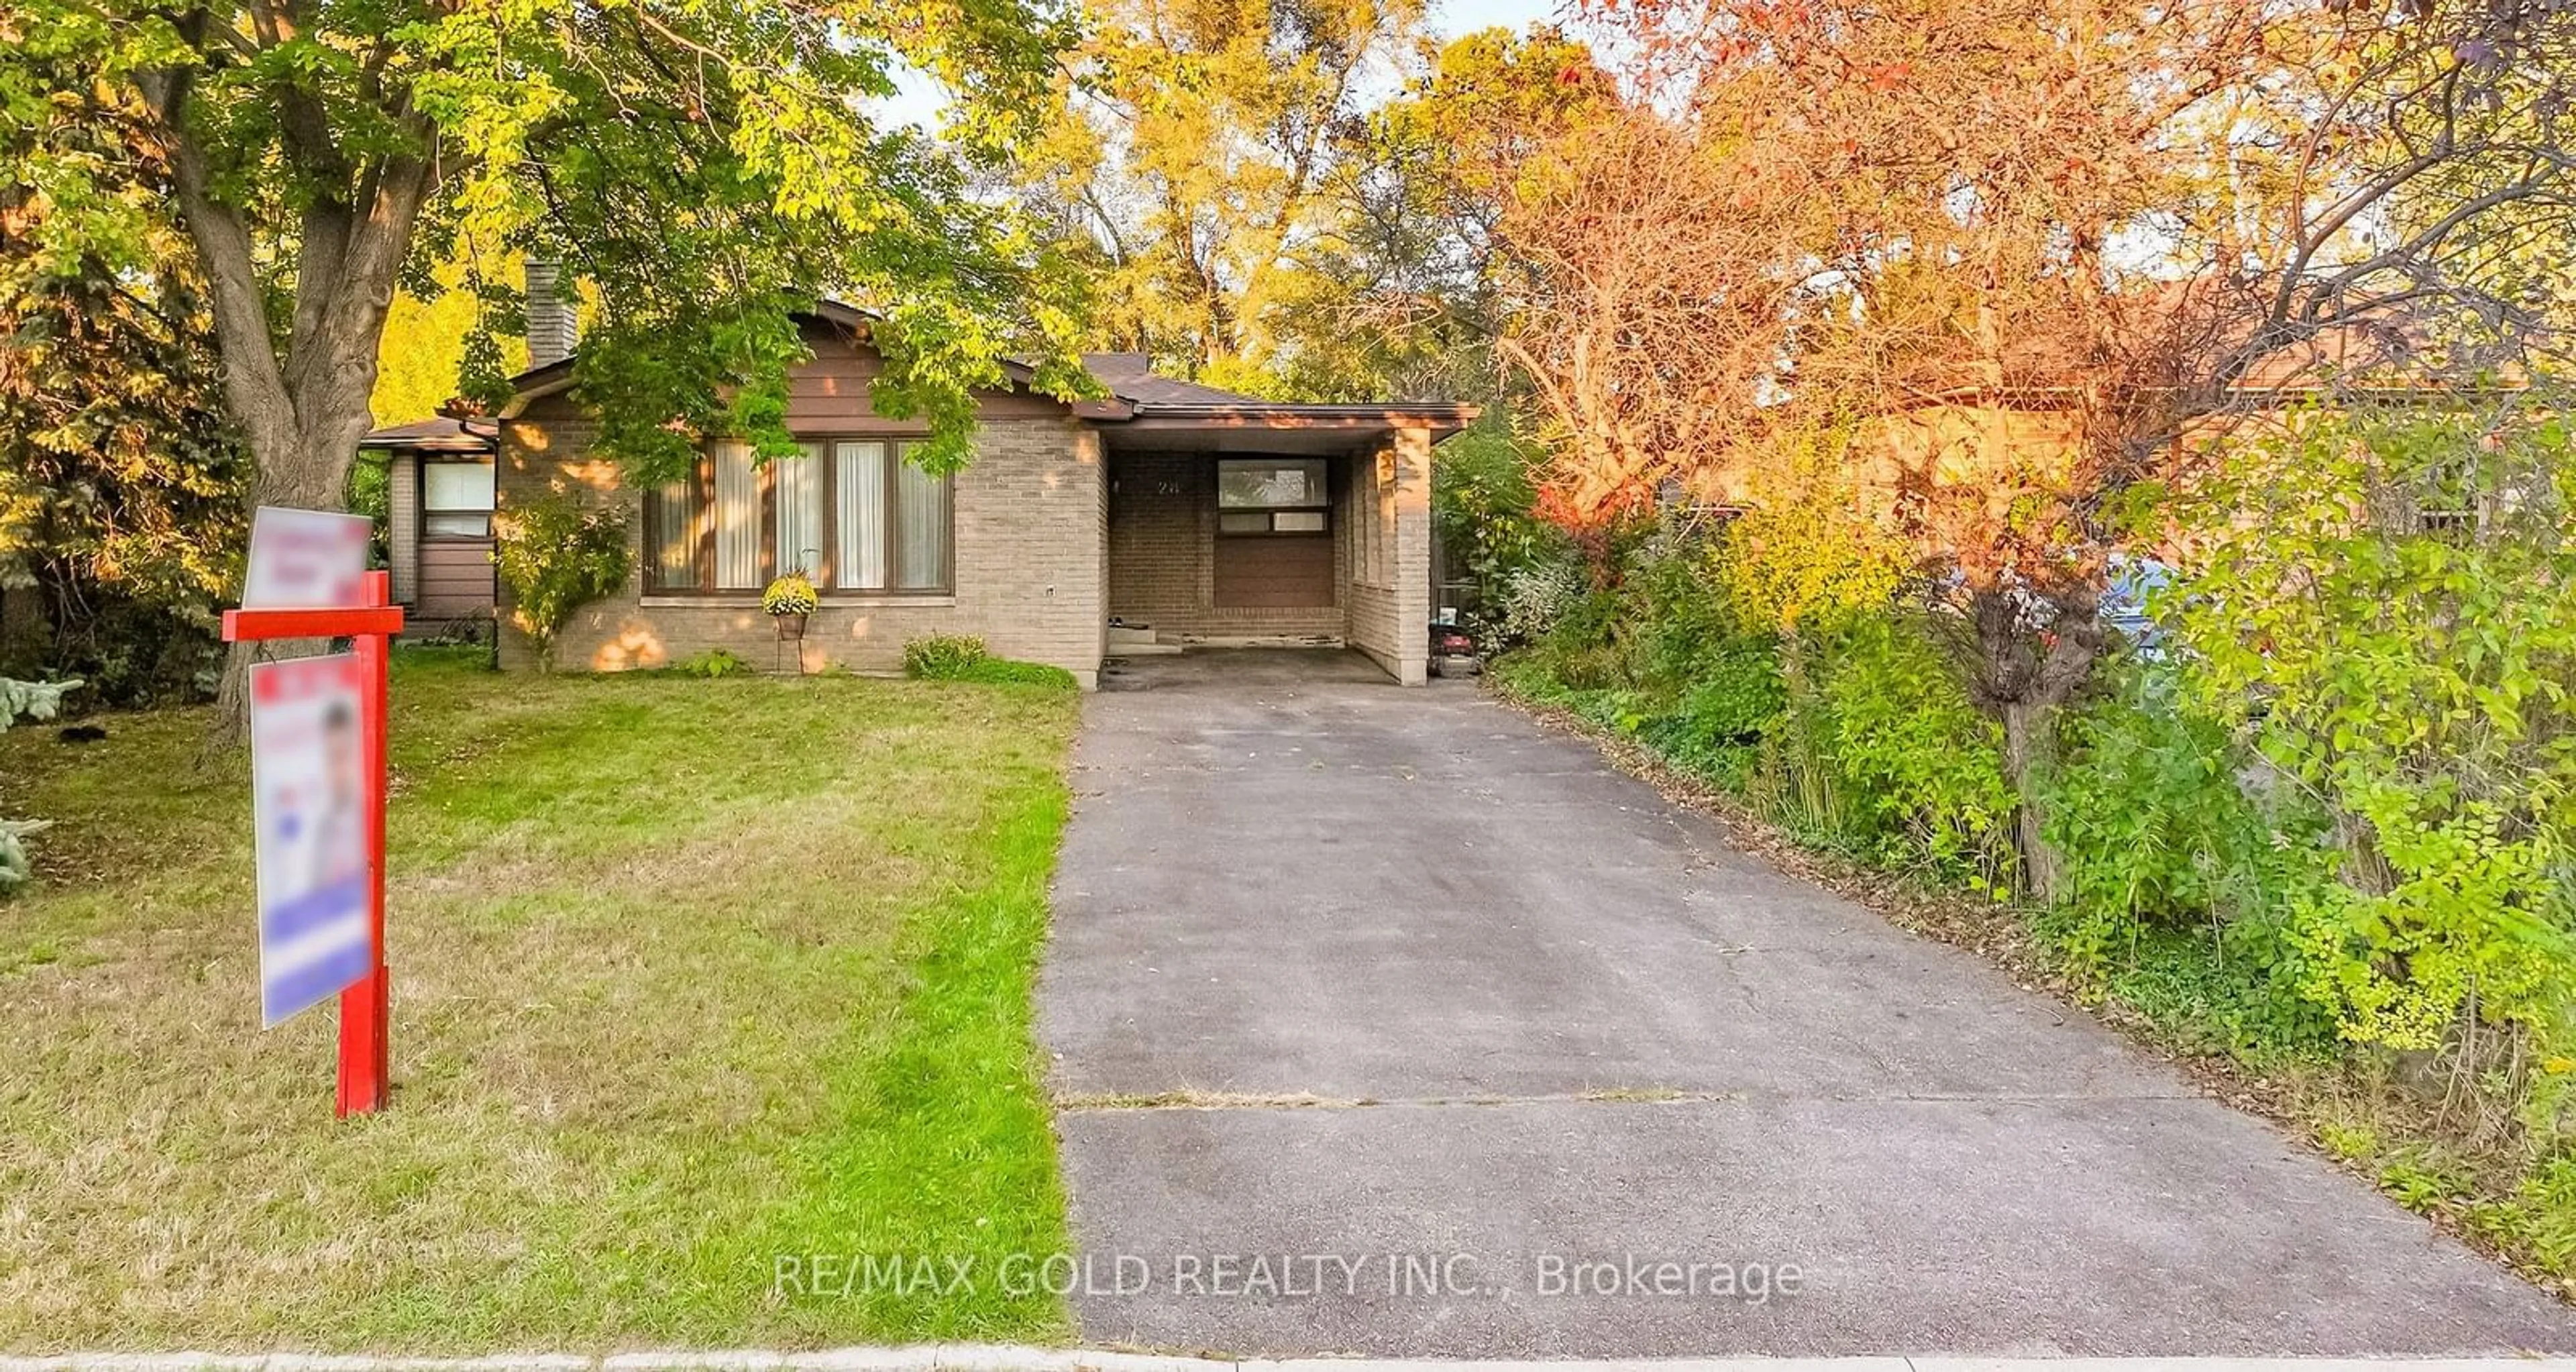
[1658, 275]
[2075, 230]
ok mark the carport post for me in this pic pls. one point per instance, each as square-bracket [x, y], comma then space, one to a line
[1413, 596]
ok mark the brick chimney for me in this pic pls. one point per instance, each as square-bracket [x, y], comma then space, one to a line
[552, 331]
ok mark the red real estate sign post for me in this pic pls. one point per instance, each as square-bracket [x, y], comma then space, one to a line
[365, 1005]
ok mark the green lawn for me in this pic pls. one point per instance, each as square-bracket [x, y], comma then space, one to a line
[689, 977]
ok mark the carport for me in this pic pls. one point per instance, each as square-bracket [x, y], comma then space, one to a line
[1237, 522]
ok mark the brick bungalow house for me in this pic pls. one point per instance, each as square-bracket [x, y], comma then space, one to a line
[1183, 514]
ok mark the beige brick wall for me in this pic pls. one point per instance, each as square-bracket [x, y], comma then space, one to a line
[1031, 520]
[1390, 610]
[1162, 519]
[402, 525]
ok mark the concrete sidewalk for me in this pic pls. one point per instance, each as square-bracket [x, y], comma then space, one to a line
[1018, 1358]
[1396, 990]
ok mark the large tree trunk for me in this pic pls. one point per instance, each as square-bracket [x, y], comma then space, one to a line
[300, 394]
[304, 422]
[302, 398]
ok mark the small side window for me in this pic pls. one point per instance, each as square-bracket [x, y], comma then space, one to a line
[456, 499]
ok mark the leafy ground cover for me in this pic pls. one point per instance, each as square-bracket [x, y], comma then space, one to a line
[690, 977]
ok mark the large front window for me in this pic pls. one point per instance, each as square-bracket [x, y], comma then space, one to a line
[851, 513]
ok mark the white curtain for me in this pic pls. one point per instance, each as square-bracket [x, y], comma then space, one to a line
[796, 483]
[921, 503]
[677, 523]
[859, 533]
[737, 518]
[456, 485]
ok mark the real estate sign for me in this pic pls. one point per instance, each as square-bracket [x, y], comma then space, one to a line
[309, 797]
[306, 559]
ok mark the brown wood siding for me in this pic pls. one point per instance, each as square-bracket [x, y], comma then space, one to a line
[1275, 570]
[830, 393]
[455, 578]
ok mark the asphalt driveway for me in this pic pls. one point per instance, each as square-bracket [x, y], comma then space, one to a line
[1387, 1022]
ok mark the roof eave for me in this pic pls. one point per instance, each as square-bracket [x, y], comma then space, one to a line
[444, 433]
[1279, 415]
[426, 445]
[555, 377]
[2040, 397]
[535, 384]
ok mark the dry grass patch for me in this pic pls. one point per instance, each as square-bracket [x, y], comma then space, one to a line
[688, 976]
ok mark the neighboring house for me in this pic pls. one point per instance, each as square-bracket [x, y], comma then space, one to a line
[1182, 513]
[440, 492]
[1958, 439]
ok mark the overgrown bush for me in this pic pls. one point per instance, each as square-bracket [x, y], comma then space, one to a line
[1671, 610]
[2184, 857]
[134, 650]
[2388, 607]
[1538, 595]
[2165, 820]
[1731, 705]
[1481, 494]
[555, 555]
[942, 657]
[1878, 753]
[1917, 771]
[1803, 551]
[2325, 813]
[2343, 795]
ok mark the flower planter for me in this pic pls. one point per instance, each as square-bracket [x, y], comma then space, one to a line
[790, 625]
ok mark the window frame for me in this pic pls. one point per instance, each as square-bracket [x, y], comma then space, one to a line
[701, 479]
[1321, 506]
[429, 512]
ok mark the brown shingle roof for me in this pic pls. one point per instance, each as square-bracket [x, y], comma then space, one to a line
[440, 435]
[1136, 391]
[1131, 376]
